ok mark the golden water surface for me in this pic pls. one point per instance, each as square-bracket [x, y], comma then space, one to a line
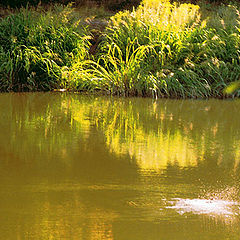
[99, 168]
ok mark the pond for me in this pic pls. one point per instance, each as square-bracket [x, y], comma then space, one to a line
[99, 168]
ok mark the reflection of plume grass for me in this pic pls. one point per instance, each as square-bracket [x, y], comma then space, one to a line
[140, 126]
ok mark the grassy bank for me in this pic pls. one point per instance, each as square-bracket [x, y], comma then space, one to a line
[160, 49]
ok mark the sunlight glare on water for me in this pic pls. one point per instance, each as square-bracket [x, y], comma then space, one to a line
[210, 207]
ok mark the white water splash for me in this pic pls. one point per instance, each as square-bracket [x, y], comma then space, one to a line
[212, 207]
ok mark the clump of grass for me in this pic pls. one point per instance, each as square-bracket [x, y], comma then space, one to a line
[36, 46]
[124, 72]
[184, 56]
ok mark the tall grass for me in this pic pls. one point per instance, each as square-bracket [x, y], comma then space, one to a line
[185, 55]
[36, 46]
[160, 49]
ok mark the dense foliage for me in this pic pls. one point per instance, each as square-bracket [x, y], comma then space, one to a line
[119, 4]
[165, 49]
[36, 47]
[112, 5]
[161, 49]
[24, 3]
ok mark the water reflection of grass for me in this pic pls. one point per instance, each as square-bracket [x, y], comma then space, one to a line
[156, 134]
[166, 132]
[62, 143]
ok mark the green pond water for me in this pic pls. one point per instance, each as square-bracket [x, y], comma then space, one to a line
[100, 168]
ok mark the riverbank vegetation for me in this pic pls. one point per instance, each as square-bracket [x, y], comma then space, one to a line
[158, 49]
